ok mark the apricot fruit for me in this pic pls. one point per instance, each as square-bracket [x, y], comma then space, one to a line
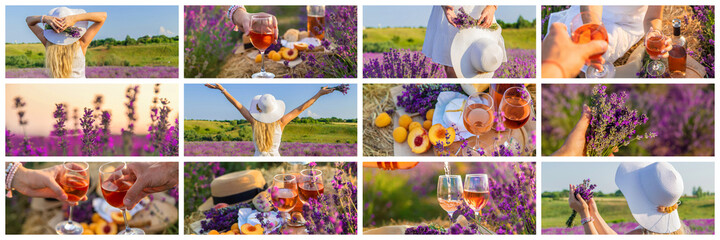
[108, 228]
[249, 229]
[438, 134]
[418, 140]
[290, 54]
[117, 217]
[213, 232]
[258, 58]
[274, 56]
[235, 228]
[405, 121]
[414, 125]
[427, 124]
[300, 46]
[429, 114]
[383, 120]
[400, 134]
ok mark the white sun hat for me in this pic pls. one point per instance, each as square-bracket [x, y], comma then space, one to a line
[265, 108]
[651, 191]
[477, 53]
[64, 38]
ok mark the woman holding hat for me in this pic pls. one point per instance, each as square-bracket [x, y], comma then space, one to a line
[652, 191]
[66, 36]
[465, 53]
[268, 119]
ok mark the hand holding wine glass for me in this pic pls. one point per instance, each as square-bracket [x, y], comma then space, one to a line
[263, 33]
[586, 27]
[562, 58]
[116, 179]
[449, 193]
[656, 46]
[151, 177]
[74, 179]
[476, 192]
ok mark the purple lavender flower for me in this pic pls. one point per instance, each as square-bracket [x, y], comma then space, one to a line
[585, 190]
[59, 131]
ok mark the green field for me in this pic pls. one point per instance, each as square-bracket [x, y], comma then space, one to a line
[413, 38]
[615, 210]
[155, 54]
[202, 130]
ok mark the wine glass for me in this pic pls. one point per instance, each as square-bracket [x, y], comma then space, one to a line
[586, 27]
[478, 115]
[74, 180]
[262, 35]
[654, 44]
[476, 192]
[310, 184]
[316, 21]
[284, 194]
[497, 91]
[449, 193]
[515, 106]
[116, 179]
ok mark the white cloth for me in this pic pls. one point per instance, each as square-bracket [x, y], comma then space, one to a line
[624, 25]
[78, 65]
[440, 33]
[275, 149]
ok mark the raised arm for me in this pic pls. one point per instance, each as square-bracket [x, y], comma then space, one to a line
[245, 113]
[296, 112]
[98, 19]
[581, 207]
[599, 223]
[33, 21]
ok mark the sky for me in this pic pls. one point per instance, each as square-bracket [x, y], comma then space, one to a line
[136, 21]
[41, 98]
[556, 176]
[415, 16]
[209, 104]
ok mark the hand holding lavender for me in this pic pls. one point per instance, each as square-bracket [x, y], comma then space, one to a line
[343, 88]
[612, 123]
[585, 190]
[465, 21]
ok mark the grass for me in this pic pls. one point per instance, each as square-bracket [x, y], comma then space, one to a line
[157, 54]
[294, 132]
[413, 38]
[615, 210]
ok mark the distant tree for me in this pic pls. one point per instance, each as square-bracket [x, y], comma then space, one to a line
[618, 193]
[129, 41]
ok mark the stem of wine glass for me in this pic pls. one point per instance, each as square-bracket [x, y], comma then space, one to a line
[262, 59]
[127, 226]
[451, 218]
[477, 216]
[70, 216]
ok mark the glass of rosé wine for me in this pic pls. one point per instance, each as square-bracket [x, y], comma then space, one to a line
[262, 35]
[478, 115]
[476, 192]
[74, 180]
[586, 27]
[284, 194]
[654, 46]
[116, 179]
[449, 193]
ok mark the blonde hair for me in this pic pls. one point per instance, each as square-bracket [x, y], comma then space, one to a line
[59, 59]
[263, 134]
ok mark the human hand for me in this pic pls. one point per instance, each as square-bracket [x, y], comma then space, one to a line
[450, 14]
[41, 183]
[665, 51]
[57, 24]
[592, 206]
[69, 21]
[151, 177]
[576, 202]
[486, 16]
[569, 57]
[244, 21]
[325, 91]
[215, 86]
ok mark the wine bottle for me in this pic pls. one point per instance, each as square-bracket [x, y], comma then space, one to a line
[678, 56]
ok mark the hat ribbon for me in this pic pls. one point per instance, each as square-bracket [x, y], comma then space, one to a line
[239, 197]
[668, 209]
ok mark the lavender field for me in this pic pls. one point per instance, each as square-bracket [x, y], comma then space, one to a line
[697, 226]
[246, 148]
[400, 64]
[102, 72]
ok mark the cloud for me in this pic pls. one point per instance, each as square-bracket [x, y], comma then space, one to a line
[165, 32]
[309, 113]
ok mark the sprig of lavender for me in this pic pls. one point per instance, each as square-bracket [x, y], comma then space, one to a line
[131, 95]
[72, 31]
[464, 21]
[455, 229]
[343, 88]
[59, 130]
[612, 123]
[585, 189]
[89, 138]
[419, 98]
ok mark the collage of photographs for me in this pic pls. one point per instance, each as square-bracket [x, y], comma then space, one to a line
[168, 105]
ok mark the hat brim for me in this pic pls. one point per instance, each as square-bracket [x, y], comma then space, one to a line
[627, 178]
[460, 57]
[64, 38]
[268, 117]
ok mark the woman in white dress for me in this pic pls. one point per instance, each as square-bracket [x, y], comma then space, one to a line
[268, 119]
[66, 37]
[441, 30]
[625, 25]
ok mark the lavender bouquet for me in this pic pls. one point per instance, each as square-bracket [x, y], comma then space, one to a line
[465, 21]
[419, 98]
[72, 31]
[586, 193]
[343, 88]
[612, 123]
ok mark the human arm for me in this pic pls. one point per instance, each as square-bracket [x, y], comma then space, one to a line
[449, 14]
[578, 204]
[487, 15]
[151, 177]
[98, 19]
[575, 143]
[296, 112]
[653, 20]
[33, 21]
[600, 225]
[241, 19]
[244, 111]
[40, 183]
[561, 58]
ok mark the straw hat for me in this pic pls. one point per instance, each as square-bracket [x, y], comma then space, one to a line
[64, 38]
[652, 191]
[476, 53]
[265, 108]
[235, 187]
